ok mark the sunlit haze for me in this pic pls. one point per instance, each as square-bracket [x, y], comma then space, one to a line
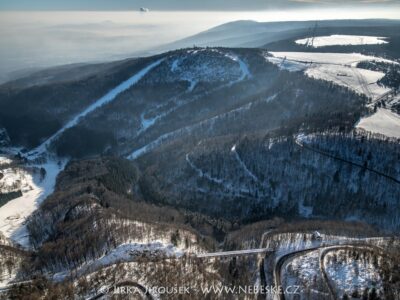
[40, 39]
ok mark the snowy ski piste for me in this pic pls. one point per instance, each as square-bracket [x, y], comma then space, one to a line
[14, 213]
[110, 96]
[340, 68]
[383, 121]
[245, 73]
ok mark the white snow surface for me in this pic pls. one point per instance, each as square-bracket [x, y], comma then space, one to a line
[305, 267]
[350, 59]
[339, 68]
[110, 96]
[4, 160]
[383, 121]
[349, 274]
[126, 253]
[34, 190]
[342, 40]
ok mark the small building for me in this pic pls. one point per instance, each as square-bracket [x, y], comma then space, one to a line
[316, 236]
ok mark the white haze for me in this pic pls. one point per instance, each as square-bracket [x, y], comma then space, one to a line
[33, 40]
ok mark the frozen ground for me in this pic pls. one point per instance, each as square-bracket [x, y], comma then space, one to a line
[349, 274]
[34, 190]
[304, 270]
[339, 68]
[383, 121]
[338, 39]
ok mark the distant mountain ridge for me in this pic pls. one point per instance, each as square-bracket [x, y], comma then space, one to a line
[249, 33]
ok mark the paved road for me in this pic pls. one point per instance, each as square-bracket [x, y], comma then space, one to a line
[234, 253]
[280, 262]
[325, 250]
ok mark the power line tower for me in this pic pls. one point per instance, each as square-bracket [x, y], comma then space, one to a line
[311, 44]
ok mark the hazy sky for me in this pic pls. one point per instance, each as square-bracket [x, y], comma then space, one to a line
[40, 33]
[186, 4]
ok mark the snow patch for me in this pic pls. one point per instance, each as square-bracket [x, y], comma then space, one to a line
[339, 68]
[383, 121]
[4, 160]
[34, 190]
[341, 40]
[127, 253]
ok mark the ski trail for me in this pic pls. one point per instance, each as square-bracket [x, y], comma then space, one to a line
[201, 173]
[147, 123]
[110, 96]
[187, 129]
[243, 165]
[158, 141]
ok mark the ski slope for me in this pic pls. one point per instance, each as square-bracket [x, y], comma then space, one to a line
[110, 96]
[34, 190]
[383, 121]
[340, 68]
[342, 40]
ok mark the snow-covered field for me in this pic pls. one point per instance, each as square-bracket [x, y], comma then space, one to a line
[34, 190]
[339, 68]
[383, 121]
[338, 39]
[350, 59]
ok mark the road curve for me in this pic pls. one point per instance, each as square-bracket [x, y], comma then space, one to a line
[279, 264]
[325, 251]
[282, 259]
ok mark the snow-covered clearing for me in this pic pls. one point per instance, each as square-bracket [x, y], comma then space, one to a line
[243, 67]
[34, 190]
[383, 121]
[289, 65]
[127, 253]
[342, 40]
[360, 80]
[350, 59]
[110, 96]
[349, 274]
[339, 68]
